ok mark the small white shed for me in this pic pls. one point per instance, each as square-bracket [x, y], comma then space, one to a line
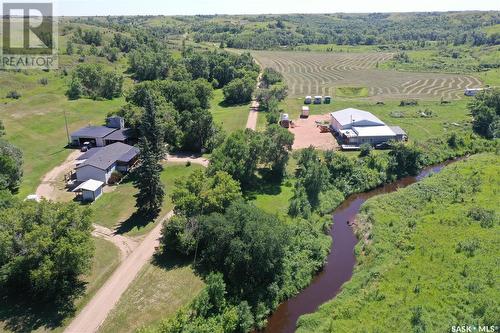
[305, 112]
[91, 190]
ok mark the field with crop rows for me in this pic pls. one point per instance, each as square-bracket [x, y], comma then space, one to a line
[320, 73]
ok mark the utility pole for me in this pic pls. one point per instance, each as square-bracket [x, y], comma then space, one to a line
[66, 123]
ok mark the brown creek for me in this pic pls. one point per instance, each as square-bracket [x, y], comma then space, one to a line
[340, 262]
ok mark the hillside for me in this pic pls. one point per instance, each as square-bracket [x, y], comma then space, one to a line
[427, 259]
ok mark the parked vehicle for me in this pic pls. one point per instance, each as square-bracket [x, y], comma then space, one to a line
[86, 146]
[327, 100]
[383, 145]
[318, 99]
[308, 100]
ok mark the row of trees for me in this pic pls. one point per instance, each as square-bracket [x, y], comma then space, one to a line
[349, 29]
[323, 180]
[272, 90]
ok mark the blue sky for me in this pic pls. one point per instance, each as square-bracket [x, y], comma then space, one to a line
[190, 7]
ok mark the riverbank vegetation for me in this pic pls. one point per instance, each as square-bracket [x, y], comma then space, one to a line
[426, 256]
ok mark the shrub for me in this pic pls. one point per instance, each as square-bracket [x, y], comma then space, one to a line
[468, 247]
[408, 102]
[365, 150]
[485, 217]
[13, 94]
[116, 177]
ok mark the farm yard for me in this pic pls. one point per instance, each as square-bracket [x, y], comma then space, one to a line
[311, 73]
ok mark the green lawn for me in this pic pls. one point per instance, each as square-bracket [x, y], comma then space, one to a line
[351, 92]
[446, 117]
[273, 199]
[20, 317]
[231, 118]
[116, 209]
[427, 260]
[159, 290]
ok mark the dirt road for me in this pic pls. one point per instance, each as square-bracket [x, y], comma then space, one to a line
[125, 244]
[96, 311]
[252, 119]
[48, 188]
[184, 158]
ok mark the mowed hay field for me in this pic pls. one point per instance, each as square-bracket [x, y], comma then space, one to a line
[320, 73]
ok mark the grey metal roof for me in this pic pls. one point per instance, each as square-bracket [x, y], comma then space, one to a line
[93, 132]
[120, 134]
[108, 155]
[89, 153]
[398, 130]
[356, 117]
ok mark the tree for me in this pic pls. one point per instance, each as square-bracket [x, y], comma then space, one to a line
[212, 300]
[277, 144]
[198, 194]
[405, 160]
[239, 90]
[11, 166]
[365, 150]
[93, 81]
[149, 199]
[152, 128]
[485, 109]
[69, 48]
[45, 247]
[2, 129]
[271, 76]
[247, 246]
[299, 204]
[75, 90]
[238, 156]
[313, 173]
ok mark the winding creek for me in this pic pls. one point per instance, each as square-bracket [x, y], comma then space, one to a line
[340, 262]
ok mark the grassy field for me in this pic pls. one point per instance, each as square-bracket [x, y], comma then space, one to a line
[20, 317]
[464, 59]
[160, 289]
[319, 73]
[231, 118]
[116, 209]
[428, 258]
[445, 117]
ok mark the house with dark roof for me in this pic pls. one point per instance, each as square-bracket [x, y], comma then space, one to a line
[99, 163]
[100, 136]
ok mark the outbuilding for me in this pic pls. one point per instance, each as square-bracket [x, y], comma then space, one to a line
[354, 127]
[90, 190]
[305, 112]
[100, 136]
